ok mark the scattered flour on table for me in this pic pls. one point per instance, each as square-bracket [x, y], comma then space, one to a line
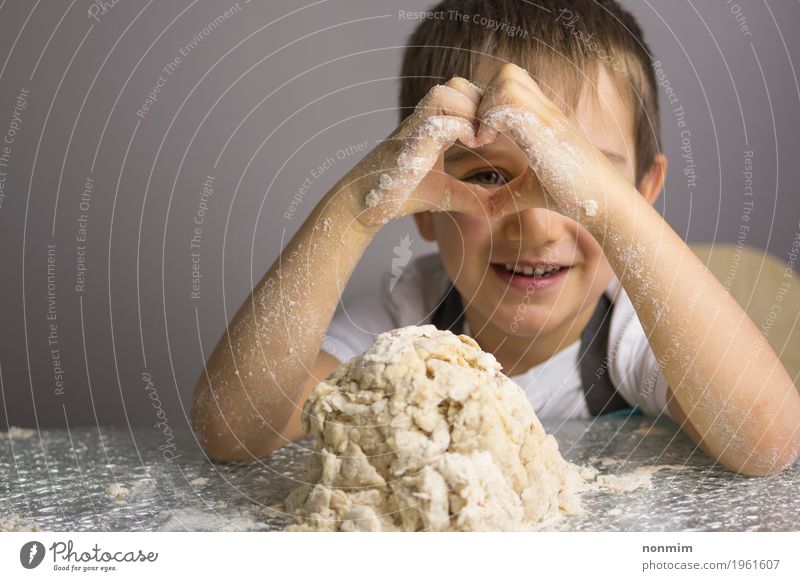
[121, 494]
[639, 478]
[15, 523]
[15, 433]
[423, 432]
[189, 519]
[117, 492]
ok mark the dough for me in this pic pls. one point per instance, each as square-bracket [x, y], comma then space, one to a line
[117, 492]
[423, 432]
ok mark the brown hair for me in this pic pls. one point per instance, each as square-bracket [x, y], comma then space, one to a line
[563, 42]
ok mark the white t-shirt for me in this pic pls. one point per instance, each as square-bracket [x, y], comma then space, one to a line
[553, 387]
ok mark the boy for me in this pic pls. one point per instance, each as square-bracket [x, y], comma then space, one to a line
[539, 195]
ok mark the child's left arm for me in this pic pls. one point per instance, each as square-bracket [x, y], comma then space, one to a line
[727, 387]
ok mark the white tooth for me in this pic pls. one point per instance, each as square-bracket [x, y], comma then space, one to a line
[510, 267]
[527, 270]
[540, 270]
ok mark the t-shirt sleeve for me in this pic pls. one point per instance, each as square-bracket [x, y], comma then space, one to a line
[633, 368]
[355, 324]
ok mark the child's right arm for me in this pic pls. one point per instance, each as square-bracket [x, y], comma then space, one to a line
[248, 399]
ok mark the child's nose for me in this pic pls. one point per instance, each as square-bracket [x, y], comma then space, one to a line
[532, 227]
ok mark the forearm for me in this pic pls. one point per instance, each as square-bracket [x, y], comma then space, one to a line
[255, 376]
[722, 372]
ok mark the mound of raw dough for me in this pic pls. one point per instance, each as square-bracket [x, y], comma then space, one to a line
[423, 432]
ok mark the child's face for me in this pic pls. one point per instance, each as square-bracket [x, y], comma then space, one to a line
[475, 250]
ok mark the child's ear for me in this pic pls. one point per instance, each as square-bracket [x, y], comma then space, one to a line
[424, 222]
[653, 180]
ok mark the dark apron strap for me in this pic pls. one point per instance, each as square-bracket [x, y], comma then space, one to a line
[449, 315]
[601, 396]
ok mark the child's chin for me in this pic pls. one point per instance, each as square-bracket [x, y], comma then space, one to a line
[526, 331]
[526, 324]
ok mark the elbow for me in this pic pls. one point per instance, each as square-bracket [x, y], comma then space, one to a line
[770, 457]
[764, 466]
[209, 427]
[218, 437]
[218, 442]
[777, 445]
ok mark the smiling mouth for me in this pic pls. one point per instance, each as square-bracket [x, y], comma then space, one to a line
[538, 271]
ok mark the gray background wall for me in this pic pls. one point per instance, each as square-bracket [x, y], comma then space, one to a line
[258, 103]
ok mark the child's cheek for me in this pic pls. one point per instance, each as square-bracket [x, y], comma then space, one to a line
[463, 242]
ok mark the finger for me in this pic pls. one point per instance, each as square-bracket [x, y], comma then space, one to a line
[522, 76]
[510, 84]
[437, 132]
[416, 158]
[521, 193]
[506, 119]
[508, 99]
[462, 85]
[457, 97]
[457, 197]
[467, 199]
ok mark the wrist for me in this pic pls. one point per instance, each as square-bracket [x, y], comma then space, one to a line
[625, 223]
[343, 210]
[608, 208]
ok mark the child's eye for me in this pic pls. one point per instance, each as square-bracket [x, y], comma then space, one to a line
[486, 178]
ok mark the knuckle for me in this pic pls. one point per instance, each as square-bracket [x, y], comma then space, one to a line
[509, 69]
[431, 98]
[456, 82]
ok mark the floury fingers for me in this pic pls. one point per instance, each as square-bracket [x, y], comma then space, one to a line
[416, 158]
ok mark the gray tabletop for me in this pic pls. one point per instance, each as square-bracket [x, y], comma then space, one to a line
[65, 481]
